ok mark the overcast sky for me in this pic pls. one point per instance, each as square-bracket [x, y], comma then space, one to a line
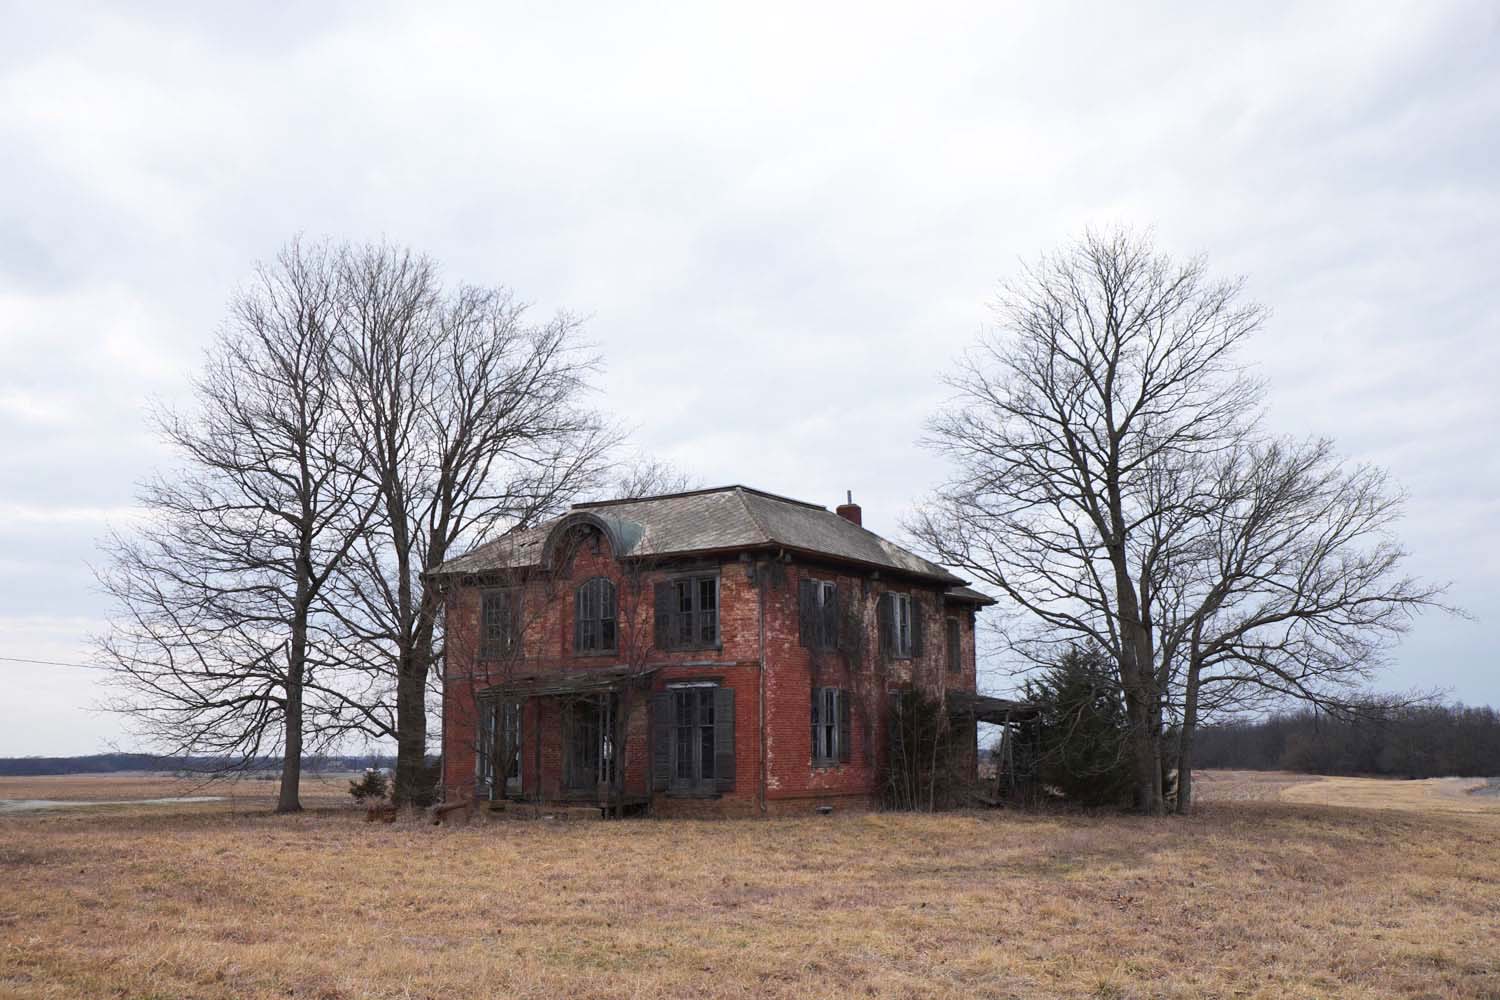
[782, 222]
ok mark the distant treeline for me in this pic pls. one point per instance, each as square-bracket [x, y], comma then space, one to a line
[106, 763]
[1399, 741]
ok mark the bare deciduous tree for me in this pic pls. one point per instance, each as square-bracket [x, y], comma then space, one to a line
[474, 421]
[1116, 366]
[1291, 584]
[214, 643]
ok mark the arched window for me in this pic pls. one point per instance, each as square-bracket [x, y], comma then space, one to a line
[594, 617]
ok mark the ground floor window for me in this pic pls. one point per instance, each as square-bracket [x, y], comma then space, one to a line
[589, 738]
[693, 739]
[830, 726]
[499, 740]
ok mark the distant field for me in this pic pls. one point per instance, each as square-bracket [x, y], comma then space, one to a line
[248, 792]
[1265, 893]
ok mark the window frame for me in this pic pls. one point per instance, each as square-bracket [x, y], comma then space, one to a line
[901, 611]
[831, 736]
[692, 729]
[954, 636]
[495, 718]
[694, 618]
[606, 593]
[819, 626]
[506, 641]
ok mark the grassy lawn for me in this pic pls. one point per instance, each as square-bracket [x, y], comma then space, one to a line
[1257, 896]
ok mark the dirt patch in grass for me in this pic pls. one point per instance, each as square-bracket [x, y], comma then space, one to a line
[1245, 899]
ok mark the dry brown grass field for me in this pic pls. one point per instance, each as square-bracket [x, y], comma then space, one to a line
[1281, 886]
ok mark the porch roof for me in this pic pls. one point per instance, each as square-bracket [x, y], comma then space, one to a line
[987, 708]
[568, 682]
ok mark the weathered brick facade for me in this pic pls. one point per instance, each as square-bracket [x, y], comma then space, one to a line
[759, 655]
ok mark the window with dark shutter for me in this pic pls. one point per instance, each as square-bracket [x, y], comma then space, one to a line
[896, 627]
[830, 726]
[818, 613]
[696, 727]
[662, 721]
[594, 617]
[499, 624]
[955, 646]
[687, 613]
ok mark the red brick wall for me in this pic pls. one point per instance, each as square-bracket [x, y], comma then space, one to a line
[547, 645]
[791, 783]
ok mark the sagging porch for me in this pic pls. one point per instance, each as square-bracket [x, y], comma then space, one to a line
[1016, 759]
[575, 739]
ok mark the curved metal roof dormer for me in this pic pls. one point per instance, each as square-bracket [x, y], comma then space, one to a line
[622, 536]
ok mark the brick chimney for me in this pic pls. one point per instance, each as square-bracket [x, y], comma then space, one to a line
[849, 511]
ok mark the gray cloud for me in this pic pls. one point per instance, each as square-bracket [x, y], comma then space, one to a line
[783, 223]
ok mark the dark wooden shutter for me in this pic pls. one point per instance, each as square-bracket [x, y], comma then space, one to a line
[844, 727]
[806, 605]
[817, 711]
[724, 738]
[661, 740]
[955, 664]
[513, 624]
[663, 601]
[885, 618]
[916, 626]
[578, 605]
[831, 618]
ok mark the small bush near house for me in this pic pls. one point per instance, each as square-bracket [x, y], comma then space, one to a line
[1083, 750]
[925, 764]
[373, 787]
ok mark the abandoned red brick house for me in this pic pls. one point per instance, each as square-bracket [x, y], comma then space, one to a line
[721, 651]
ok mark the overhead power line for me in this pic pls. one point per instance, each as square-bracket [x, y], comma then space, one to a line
[53, 663]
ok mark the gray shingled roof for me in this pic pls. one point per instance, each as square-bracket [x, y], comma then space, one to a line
[727, 518]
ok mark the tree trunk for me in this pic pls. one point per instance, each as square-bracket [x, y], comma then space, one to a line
[291, 758]
[1141, 701]
[411, 730]
[1185, 741]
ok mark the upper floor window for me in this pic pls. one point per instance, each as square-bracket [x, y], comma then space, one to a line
[687, 612]
[955, 646]
[499, 624]
[900, 626]
[594, 617]
[818, 613]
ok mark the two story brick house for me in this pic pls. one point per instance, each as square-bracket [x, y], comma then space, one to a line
[717, 651]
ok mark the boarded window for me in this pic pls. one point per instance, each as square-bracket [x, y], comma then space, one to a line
[687, 613]
[594, 625]
[831, 731]
[955, 647]
[500, 624]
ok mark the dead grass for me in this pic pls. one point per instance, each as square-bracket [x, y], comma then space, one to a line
[1247, 899]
